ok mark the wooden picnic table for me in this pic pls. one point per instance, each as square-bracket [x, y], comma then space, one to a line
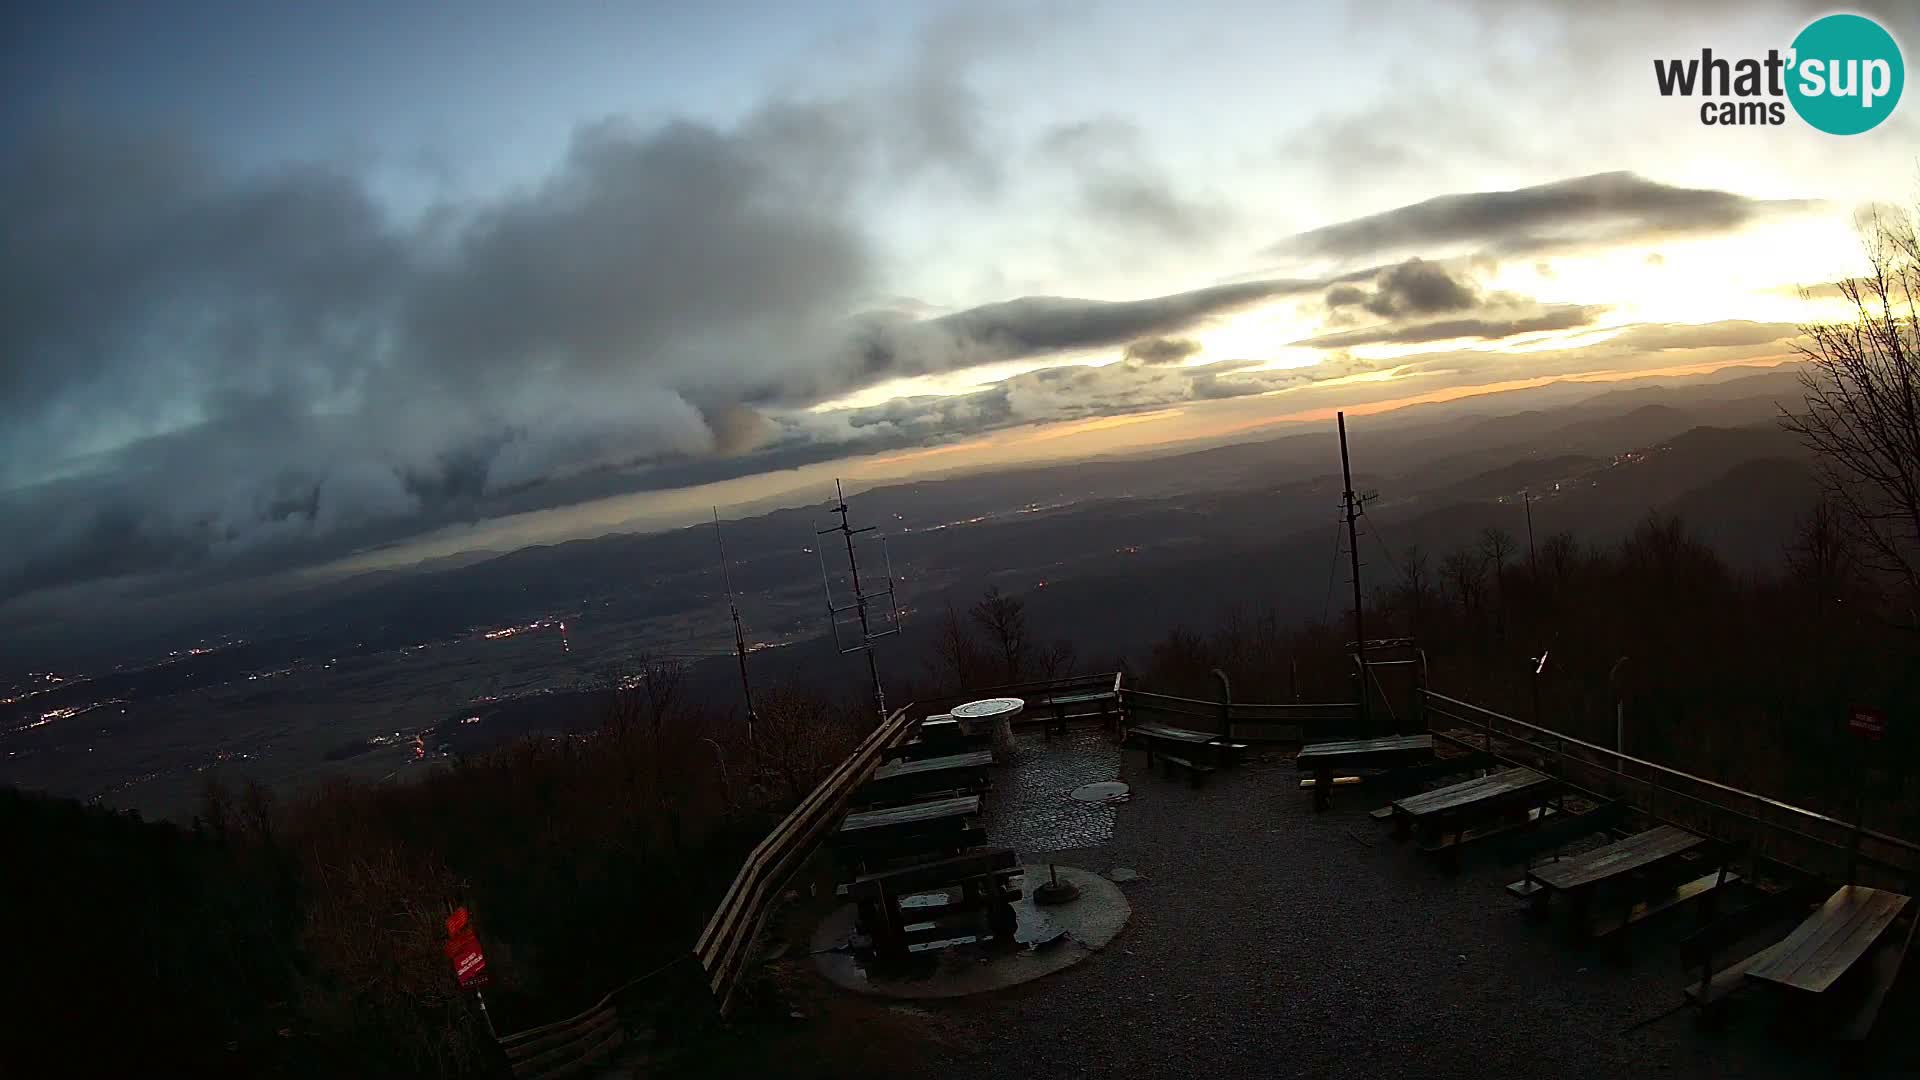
[964, 762]
[1637, 852]
[949, 812]
[1822, 949]
[1640, 861]
[947, 772]
[1323, 757]
[1454, 805]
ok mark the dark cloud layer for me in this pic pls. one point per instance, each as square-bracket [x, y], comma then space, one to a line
[269, 368]
[1161, 350]
[1604, 207]
[1558, 317]
[1414, 287]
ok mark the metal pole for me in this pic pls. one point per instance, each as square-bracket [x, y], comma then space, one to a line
[1533, 556]
[739, 635]
[485, 1015]
[1353, 554]
[846, 532]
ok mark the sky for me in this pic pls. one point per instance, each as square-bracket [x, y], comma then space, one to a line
[326, 287]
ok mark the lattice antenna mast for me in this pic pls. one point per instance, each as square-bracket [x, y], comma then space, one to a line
[739, 634]
[863, 601]
[1353, 505]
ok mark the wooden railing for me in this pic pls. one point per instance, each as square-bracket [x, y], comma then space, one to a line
[564, 1047]
[1035, 692]
[1247, 721]
[727, 942]
[1805, 839]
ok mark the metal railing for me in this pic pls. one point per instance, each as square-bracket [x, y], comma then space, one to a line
[1805, 839]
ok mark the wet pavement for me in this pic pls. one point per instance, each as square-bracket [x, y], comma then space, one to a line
[1266, 940]
[1033, 810]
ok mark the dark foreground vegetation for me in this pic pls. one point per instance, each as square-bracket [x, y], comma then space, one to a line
[305, 938]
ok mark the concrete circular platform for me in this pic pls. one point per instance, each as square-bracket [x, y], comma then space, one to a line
[1046, 939]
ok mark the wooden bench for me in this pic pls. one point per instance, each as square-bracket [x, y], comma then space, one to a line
[1158, 739]
[1448, 818]
[918, 779]
[1323, 758]
[1699, 950]
[1636, 871]
[938, 825]
[939, 736]
[1560, 831]
[984, 880]
[1057, 704]
[1817, 957]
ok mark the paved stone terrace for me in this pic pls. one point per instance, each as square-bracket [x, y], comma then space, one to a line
[1270, 941]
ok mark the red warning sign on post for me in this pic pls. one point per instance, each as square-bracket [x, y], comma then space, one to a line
[1868, 723]
[463, 951]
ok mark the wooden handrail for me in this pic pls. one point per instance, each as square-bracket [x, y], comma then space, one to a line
[1476, 716]
[724, 944]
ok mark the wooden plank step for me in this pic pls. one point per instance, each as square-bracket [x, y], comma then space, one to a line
[1385, 813]
[1647, 909]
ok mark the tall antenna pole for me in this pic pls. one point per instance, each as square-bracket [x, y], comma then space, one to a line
[739, 635]
[1533, 557]
[1353, 553]
[861, 597]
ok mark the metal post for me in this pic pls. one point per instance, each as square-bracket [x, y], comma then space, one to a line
[1533, 556]
[739, 634]
[1353, 554]
[860, 597]
[481, 1000]
[1226, 713]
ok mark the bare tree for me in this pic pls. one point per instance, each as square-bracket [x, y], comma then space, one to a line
[1559, 557]
[1004, 618]
[1056, 661]
[1466, 573]
[1498, 545]
[1821, 558]
[957, 656]
[1862, 405]
[1416, 583]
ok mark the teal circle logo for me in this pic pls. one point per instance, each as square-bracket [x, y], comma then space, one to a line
[1845, 75]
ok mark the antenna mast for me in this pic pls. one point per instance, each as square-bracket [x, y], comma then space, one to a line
[862, 599]
[1353, 552]
[739, 635]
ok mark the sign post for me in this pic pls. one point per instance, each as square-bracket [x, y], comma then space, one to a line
[1869, 726]
[469, 962]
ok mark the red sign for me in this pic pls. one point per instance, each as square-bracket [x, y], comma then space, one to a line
[1867, 723]
[463, 951]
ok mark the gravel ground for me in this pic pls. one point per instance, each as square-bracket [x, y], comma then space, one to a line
[1269, 941]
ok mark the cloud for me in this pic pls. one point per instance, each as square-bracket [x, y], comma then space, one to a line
[1556, 317]
[268, 368]
[1614, 207]
[1037, 326]
[1161, 350]
[1414, 287]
